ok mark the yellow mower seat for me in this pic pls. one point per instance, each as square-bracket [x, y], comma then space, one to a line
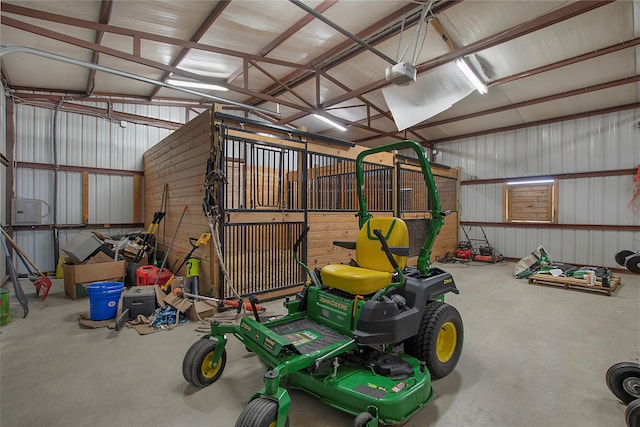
[374, 270]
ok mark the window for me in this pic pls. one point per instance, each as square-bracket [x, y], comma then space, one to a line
[531, 201]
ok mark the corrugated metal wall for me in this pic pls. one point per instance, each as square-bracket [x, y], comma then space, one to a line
[89, 142]
[597, 143]
[3, 172]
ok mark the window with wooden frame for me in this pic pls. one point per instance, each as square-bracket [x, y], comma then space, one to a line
[531, 201]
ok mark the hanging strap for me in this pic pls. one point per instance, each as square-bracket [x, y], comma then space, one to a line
[211, 203]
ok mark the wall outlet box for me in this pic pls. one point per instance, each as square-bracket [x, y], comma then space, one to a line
[26, 211]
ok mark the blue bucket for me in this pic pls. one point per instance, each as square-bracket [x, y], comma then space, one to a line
[103, 299]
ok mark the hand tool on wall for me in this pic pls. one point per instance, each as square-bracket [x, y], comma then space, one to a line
[22, 299]
[145, 245]
[43, 283]
[153, 229]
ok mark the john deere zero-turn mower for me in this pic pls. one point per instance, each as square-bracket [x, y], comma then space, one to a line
[365, 339]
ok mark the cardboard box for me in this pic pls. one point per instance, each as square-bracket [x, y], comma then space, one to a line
[77, 276]
[98, 258]
[193, 309]
[202, 309]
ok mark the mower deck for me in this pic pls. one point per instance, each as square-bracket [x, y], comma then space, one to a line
[352, 389]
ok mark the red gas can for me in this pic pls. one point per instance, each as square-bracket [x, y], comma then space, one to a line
[146, 275]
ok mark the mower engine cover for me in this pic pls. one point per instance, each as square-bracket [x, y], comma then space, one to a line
[464, 253]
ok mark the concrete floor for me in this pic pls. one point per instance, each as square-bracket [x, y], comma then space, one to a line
[533, 356]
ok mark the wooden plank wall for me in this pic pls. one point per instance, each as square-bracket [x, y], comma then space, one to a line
[180, 161]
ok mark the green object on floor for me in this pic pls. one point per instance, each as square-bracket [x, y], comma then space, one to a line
[340, 340]
[5, 309]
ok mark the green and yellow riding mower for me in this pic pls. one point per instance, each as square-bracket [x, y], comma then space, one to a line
[366, 339]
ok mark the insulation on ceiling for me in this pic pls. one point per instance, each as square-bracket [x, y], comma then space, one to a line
[432, 93]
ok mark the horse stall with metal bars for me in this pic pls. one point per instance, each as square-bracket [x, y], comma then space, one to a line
[273, 183]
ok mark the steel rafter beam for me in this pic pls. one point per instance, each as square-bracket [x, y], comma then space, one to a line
[196, 37]
[342, 31]
[275, 79]
[138, 35]
[132, 58]
[590, 55]
[346, 50]
[369, 105]
[539, 122]
[558, 15]
[105, 16]
[549, 98]
[286, 35]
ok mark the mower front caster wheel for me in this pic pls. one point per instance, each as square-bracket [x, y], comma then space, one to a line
[260, 412]
[362, 420]
[623, 379]
[439, 339]
[197, 366]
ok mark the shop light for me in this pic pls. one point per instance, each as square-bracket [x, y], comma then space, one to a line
[196, 85]
[531, 182]
[469, 74]
[331, 122]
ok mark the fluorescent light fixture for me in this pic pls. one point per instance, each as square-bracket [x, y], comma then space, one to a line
[195, 85]
[469, 74]
[532, 182]
[331, 122]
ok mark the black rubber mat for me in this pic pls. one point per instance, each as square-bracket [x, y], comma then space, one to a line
[307, 335]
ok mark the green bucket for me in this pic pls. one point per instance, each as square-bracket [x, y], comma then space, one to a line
[5, 309]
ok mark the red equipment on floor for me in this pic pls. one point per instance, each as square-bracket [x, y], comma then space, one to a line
[481, 249]
[146, 275]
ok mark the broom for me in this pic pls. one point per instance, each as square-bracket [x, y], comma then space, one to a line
[40, 281]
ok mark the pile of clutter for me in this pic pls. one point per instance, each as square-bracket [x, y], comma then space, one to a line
[539, 261]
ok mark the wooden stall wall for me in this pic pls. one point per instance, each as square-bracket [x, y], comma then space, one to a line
[276, 186]
[179, 161]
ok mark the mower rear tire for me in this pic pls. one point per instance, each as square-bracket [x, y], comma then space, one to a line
[633, 263]
[622, 256]
[362, 419]
[632, 414]
[439, 339]
[623, 379]
[196, 365]
[260, 412]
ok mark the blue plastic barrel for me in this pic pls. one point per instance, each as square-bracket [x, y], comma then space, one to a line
[103, 299]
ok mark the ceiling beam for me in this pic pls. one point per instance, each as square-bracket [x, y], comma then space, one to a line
[275, 79]
[196, 37]
[567, 12]
[342, 31]
[539, 123]
[549, 98]
[105, 113]
[576, 59]
[558, 15]
[563, 63]
[347, 50]
[286, 35]
[81, 23]
[105, 16]
[369, 105]
[135, 59]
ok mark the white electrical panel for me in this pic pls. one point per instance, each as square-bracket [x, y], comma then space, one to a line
[26, 212]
